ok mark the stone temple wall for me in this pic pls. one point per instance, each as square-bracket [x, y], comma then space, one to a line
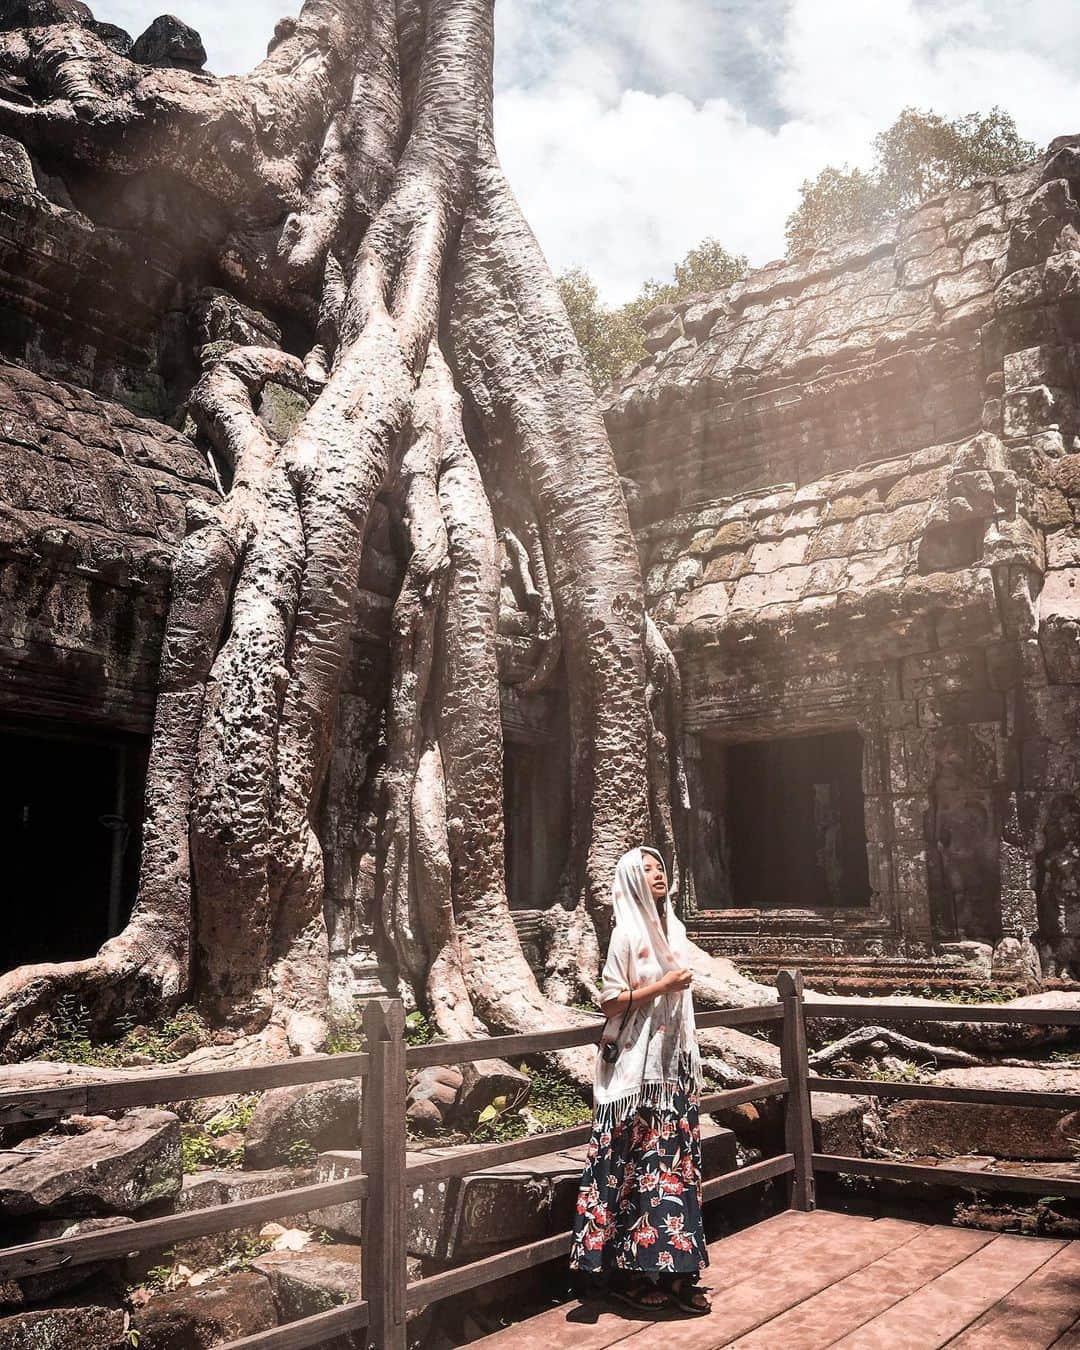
[855, 480]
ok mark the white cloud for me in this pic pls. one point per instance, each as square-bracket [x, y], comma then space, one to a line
[631, 130]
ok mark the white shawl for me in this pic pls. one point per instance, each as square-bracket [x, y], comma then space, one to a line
[658, 1045]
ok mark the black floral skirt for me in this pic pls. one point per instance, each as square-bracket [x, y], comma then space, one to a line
[639, 1205]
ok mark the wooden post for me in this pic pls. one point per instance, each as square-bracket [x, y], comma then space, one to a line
[798, 1120]
[382, 1258]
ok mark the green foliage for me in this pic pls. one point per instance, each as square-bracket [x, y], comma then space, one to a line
[301, 1153]
[346, 1036]
[237, 1117]
[613, 339]
[981, 993]
[904, 1071]
[196, 1148]
[73, 1041]
[555, 1103]
[418, 1030]
[499, 1121]
[920, 155]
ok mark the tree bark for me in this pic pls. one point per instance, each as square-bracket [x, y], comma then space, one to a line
[351, 181]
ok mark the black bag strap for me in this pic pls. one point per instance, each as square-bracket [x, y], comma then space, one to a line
[626, 1014]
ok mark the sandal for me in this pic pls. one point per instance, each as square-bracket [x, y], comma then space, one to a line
[691, 1298]
[643, 1295]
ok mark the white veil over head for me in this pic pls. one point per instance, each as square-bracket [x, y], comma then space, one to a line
[657, 1043]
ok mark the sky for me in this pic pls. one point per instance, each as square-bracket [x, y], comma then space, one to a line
[633, 129]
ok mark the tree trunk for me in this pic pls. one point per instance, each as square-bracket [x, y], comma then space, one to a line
[351, 182]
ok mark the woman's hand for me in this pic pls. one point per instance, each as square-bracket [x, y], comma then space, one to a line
[675, 979]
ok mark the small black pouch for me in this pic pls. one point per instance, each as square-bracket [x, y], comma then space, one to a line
[609, 1051]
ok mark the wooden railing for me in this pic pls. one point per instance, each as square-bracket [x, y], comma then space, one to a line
[386, 1296]
[871, 1013]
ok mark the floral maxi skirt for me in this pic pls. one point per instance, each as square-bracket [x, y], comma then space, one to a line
[639, 1205]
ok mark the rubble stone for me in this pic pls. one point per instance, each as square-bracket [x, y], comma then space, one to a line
[119, 1168]
[321, 1115]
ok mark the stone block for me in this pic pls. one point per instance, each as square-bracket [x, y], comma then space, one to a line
[198, 1317]
[1062, 550]
[37, 1288]
[704, 602]
[774, 554]
[425, 1214]
[119, 1167]
[1059, 640]
[838, 1123]
[1043, 364]
[321, 1277]
[203, 1190]
[88, 1328]
[949, 1128]
[1027, 411]
[324, 1115]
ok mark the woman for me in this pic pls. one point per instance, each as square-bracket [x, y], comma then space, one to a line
[639, 1205]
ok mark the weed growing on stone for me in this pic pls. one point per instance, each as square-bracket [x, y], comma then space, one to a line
[418, 1030]
[301, 1153]
[898, 1071]
[73, 1042]
[554, 1102]
[196, 1148]
[346, 1036]
[236, 1117]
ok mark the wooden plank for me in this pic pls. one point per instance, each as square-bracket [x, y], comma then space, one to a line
[1071, 1338]
[485, 1157]
[821, 1319]
[501, 1047]
[733, 1257]
[541, 1042]
[754, 1092]
[946, 1176]
[739, 1017]
[798, 1120]
[1034, 1314]
[934, 1092]
[309, 1331]
[782, 1278]
[747, 1176]
[34, 1258]
[868, 1012]
[940, 1310]
[383, 1269]
[594, 1324]
[435, 1287]
[178, 1086]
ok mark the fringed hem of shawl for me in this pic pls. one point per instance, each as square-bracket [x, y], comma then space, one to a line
[659, 1095]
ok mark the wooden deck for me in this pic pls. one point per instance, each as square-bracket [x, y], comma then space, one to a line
[806, 1280]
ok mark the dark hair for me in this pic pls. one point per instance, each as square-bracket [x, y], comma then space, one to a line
[647, 848]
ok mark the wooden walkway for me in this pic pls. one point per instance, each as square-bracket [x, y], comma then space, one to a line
[800, 1281]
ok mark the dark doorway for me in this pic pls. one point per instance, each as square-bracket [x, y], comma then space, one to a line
[519, 816]
[794, 811]
[70, 831]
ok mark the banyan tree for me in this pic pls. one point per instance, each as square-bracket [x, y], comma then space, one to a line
[347, 195]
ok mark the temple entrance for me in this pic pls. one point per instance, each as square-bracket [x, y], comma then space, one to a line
[795, 829]
[70, 833]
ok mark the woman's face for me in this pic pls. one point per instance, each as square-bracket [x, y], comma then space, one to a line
[654, 875]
